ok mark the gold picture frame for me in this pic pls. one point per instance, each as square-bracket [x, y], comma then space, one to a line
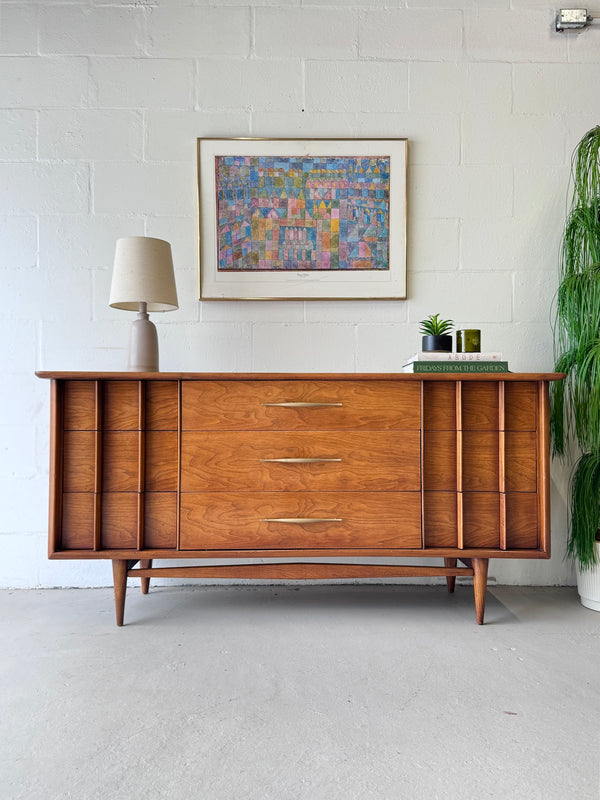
[302, 219]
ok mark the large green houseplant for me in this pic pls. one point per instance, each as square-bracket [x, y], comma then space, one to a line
[575, 409]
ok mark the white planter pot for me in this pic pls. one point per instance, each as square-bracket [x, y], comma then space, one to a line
[588, 584]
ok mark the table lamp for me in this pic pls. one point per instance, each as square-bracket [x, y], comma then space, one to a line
[143, 281]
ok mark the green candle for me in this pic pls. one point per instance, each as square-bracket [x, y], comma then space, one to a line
[468, 341]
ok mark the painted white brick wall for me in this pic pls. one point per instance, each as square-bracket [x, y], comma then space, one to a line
[81, 30]
[432, 34]
[101, 103]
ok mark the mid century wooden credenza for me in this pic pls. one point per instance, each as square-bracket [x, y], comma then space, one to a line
[299, 466]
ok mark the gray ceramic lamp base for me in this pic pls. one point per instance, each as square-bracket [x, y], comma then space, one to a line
[143, 345]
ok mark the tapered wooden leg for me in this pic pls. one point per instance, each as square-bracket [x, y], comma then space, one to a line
[120, 583]
[450, 579]
[145, 581]
[480, 571]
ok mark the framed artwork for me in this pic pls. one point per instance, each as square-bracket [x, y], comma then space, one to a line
[301, 219]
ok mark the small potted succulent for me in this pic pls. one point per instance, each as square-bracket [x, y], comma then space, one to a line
[436, 334]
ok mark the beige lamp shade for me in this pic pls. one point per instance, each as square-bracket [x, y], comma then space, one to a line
[143, 280]
[143, 273]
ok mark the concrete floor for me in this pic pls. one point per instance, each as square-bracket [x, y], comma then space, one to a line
[279, 693]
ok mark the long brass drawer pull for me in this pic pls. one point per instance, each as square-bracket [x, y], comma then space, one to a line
[301, 520]
[304, 405]
[297, 460]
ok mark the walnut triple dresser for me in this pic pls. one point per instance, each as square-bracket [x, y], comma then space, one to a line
[299, 467]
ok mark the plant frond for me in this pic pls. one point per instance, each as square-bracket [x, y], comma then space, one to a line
[580, 244]
[585, 168]
[434, 326]
[560, 412]
[575, 401]
[585, 509]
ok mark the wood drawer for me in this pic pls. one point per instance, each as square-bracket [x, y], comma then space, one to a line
[120, 405]
[243, 520]
[329, 405]
[368, 460]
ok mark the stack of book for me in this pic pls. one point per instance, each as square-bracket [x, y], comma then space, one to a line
[456, 362]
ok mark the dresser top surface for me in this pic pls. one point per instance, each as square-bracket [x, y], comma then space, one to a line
[305, 376]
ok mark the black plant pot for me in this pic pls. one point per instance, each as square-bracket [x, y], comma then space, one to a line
[433, 344]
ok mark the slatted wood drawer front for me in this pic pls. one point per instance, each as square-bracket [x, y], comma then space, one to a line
[481, 464]
[120, 462]
[300, 405]
[307, 520]
[80, 447]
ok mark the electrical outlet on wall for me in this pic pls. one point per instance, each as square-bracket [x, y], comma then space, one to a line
[572, 18]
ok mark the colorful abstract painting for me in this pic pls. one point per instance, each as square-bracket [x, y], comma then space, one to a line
[303, 213]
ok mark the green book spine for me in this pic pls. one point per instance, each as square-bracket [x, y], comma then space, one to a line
[458, 366]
